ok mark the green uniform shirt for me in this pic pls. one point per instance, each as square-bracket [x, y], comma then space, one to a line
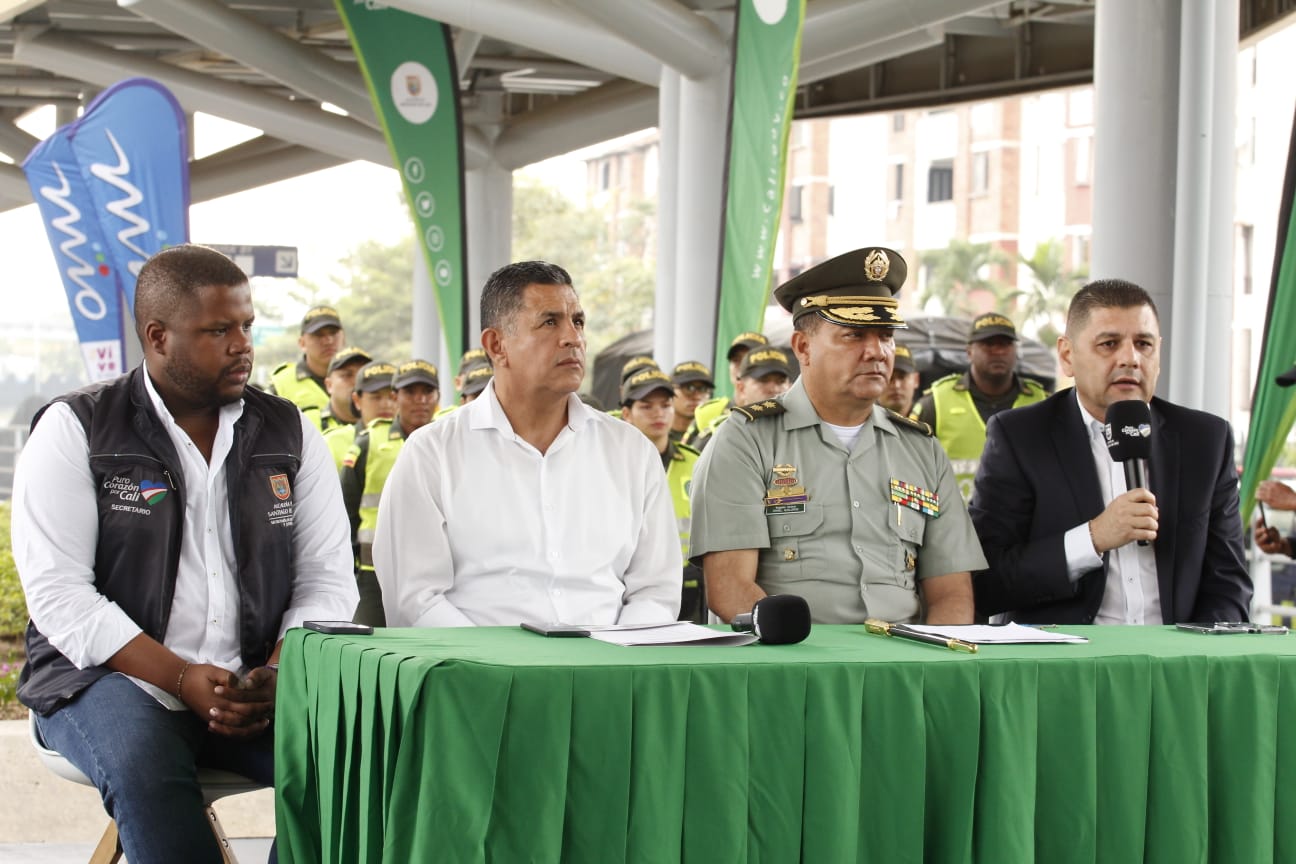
[294, 382]
[846, 548]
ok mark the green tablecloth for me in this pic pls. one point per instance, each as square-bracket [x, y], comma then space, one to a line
[498, 745]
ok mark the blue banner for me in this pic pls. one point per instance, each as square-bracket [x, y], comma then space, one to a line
[113, 189]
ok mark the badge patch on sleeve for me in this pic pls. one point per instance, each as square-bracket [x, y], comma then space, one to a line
[279, 486]
[915, 497]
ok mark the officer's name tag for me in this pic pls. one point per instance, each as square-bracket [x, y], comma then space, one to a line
[782, 509]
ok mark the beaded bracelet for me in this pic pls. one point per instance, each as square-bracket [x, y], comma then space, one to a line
[180, 680]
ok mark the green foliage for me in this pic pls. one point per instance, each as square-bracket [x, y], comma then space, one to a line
[13, 604]
[959, 271]
[609, 256]
[376, 298]
[1043, 307]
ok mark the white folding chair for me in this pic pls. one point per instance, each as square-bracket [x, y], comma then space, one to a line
[215, 785]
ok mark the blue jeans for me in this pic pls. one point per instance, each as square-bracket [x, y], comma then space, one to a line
[144, 760]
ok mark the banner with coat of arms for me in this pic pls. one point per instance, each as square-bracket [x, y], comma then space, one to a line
[409, 67]
[766, 54]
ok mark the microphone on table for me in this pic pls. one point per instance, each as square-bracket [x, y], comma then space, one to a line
[1129, 440]
[780, 619]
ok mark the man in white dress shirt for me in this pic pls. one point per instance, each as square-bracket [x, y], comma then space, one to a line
[169, 526]
[526, 504]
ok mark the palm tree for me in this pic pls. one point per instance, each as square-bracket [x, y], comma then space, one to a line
[1045, 304]
[958, 271]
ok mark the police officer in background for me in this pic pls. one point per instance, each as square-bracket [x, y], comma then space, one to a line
[708, 411]
[763, 374]
[958, 406]
[474, 383]
[373, 399]
[339, 382]
[629, 369]
[302, 383]
[693, 386]
[899, 394]
[369, 462]
[820, 492]
[646, 403]
[470, 362]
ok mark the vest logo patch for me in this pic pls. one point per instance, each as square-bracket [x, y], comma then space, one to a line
[279, 486]
[130, 494]
[152, 491]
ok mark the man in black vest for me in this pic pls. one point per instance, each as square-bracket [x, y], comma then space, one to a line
[169, 526]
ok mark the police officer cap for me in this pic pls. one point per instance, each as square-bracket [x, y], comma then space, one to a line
[637, 364]
[904, 361]
[643, 382]
[988, 325]
[746, 342]
[763, 361]
[690, 371]
[374, 376]
[416, 372]
[472, 359]
[477, 379]
[856, 289]
[347, 356]
[319, 317]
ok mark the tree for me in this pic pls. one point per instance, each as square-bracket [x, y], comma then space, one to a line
[960, 270]
[1043, 307]
[609, 256]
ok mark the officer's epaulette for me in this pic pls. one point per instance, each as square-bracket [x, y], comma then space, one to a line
[902, 420]
[684, 448]
[282, 366]
[757, 410]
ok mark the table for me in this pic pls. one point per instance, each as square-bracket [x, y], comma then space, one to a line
[498, 745]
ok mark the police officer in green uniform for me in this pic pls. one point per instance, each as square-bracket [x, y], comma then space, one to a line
[708, 411]
[899, 394]
[958, 406]
[474, 373]
[373, 399]
[302, 382]
[646, 399]
[630, 368]
[693, 386]
[340, 384]
[763, 374]
[369, 462]
[824, 494]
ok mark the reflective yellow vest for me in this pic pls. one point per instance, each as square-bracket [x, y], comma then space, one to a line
[704, 417]
[382, 441]
[293, 382]
[339, 440]
[959, 426]
[679, 479]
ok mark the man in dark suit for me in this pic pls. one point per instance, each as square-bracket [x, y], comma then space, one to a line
[1056, 522]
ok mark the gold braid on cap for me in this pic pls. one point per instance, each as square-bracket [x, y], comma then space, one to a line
[825, 300]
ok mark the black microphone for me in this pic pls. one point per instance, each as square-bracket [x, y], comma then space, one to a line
[1129, 440]
[780, 619]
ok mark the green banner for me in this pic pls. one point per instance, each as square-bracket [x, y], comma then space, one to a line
[1273, 409]
[766, 53]
[409, 67]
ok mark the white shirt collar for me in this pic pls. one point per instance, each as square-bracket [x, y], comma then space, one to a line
[228, 413]
[485, 412]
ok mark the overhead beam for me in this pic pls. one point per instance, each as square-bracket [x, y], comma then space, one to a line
[836, 26]
[13, 184]
[217, 180]
[222, 29]
[292, 121]
[466, 43]
[15, 142]
[543, 27]
[678, 37]
[867, 55]
[614, 109]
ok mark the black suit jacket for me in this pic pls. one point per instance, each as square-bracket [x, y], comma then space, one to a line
[1037, 480]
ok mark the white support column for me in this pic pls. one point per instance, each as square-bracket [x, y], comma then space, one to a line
[699, 207]
[1136, 74]
[425, 340]
[668, 158]
[489, 220]
[1219, 286]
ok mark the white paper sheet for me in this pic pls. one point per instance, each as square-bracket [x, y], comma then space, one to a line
[1003, 634]
[682, 633]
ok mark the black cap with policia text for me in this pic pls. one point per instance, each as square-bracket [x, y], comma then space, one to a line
[988, 325]
[856, 289]
[642, 383]
[347, 356]
[319, 317]
[904, 361]
[374, 376]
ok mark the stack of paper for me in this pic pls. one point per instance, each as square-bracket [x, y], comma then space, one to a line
[990, 634]
[682, 633]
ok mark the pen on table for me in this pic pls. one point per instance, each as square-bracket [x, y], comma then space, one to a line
[884, 628]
